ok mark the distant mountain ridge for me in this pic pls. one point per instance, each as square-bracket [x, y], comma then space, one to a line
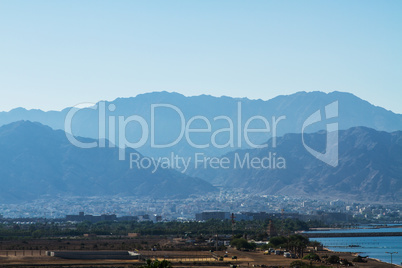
[370, 168]
[297, 107]
[37, 162]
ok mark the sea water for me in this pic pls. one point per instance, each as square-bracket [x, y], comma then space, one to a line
[373, 247]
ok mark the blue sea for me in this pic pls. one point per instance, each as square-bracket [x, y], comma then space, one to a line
[373, 247]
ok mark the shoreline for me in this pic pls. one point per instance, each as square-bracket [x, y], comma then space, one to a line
[355, 254]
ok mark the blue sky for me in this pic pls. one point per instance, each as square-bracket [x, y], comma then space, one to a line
[55, 54]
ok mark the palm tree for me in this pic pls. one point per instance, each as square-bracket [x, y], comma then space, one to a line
[298, 244]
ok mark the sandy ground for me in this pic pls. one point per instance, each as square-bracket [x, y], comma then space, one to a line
[178, 258]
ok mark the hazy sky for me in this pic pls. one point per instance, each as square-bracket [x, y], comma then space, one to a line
[55, 54]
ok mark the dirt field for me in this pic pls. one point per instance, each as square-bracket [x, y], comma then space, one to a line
[178, 258]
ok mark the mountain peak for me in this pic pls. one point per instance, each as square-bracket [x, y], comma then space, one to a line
[26, 126]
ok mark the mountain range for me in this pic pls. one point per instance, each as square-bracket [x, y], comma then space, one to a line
[293, 109]
[369, 167]
[38, 162]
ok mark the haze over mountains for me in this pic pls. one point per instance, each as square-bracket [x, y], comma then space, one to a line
[37, 160]
[297, 107]
[370, 168]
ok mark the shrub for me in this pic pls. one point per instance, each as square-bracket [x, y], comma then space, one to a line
[241, 243]
[312, 256]
[333, 259]
[345, 262]
[359, 259]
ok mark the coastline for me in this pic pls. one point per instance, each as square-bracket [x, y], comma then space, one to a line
[371, 262]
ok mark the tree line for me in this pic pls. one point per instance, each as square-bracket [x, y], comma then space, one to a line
[255, 229]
